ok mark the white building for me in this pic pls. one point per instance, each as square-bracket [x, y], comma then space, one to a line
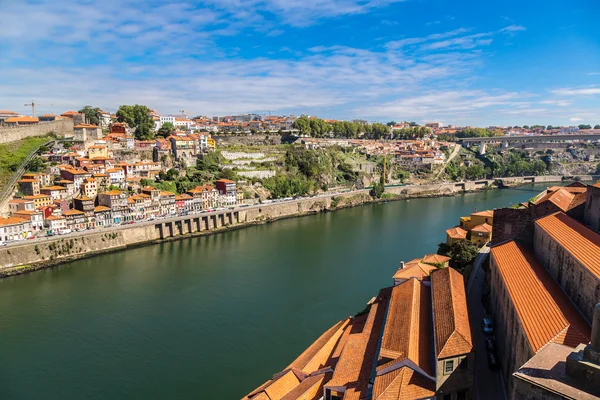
[116, 176]
[14, 228]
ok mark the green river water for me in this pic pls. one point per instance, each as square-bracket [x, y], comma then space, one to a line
[210, 317]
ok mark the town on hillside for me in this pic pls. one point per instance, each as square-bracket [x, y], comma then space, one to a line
[136, 165]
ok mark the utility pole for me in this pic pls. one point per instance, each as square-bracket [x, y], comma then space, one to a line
[32, 105]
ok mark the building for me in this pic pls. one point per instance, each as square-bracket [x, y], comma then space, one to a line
[56, 223]
[455, 234]
[116, 201]
[89, 188]
[55, 192]
[86, 133]
[15, 205]
[76, 175]
[116, 177]
[481, 234]
[14, 228]
[21, 120]
[39, 200]
[413, 341]
[530, 310]
[76, 220]
[102, 216]
[5, 114]
[35, 218]
[97, 151]
[29, 187]
[85, 205]
[227, 191]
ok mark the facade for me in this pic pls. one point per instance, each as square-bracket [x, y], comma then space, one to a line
[102, 216]
[29, 187]
[14, 228]
[97, 151]
[481, 234]
[15, 205]
[86, 133]
[227, 191]
[455, 234]
[35, 218]
[116, 177]
[55, 192]
[85, 205]
[89, 188]
[116, 201]
[76, 220]
[56, 224]
[39, 200]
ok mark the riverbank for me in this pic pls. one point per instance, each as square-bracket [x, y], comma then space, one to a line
[38, 254]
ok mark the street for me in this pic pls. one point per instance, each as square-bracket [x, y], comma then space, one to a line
[489, 384]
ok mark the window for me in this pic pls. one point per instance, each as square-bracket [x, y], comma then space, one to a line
[464, 363]
[448, 367]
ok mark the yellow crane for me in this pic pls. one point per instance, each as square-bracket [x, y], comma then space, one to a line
[33, 104]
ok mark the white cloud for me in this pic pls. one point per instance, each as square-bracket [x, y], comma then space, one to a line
[576, 91]
[575, 119]
[512, 28]
[559, 103]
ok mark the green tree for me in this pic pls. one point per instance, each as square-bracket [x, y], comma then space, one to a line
[461, 253]
[92, 114]
[166, 129]
[584, 126]
[378, 188]
[138, 117]
[36, 164]
[302, 124]
[596, 126]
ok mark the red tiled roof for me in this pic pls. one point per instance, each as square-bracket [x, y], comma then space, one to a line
[457, 233]
[408, 323]
[24, 118]
[403, 383]
[11, 221]
[545, 312]
[580, 241]
[485, 227]
[435, 259]
[451, 326]
[486, 213]
[279, 386]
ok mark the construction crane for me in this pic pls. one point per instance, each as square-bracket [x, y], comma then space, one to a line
[182, 113]
[33, 104]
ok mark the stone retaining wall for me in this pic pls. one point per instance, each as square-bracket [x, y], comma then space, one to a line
[61, 128]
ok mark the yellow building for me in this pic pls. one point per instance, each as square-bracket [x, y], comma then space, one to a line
[481, 234]
[39, 200]
[97, 151]
[455, 234]
[482, 217]
[210, 143]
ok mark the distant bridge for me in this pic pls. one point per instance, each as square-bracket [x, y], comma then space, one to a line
[506, 140]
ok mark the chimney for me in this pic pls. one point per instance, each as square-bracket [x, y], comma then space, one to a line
[401, 264]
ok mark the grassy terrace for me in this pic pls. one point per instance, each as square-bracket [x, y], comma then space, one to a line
[14, 153]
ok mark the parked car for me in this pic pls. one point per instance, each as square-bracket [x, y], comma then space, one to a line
[487, 326]
[490, 344]
[492, 358]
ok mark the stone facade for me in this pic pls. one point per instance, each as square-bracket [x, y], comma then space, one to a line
[513, 345]
[582, 287]
[526, 391]
[592, 208]
[460, 381]
[512, 223]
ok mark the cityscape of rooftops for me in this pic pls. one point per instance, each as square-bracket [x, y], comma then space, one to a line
[285, 200]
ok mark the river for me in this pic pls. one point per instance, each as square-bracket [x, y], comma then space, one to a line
[210, 317]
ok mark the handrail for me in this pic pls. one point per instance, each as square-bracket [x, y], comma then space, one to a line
[8, 189]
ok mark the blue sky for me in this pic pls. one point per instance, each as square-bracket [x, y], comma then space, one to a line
[456, 61]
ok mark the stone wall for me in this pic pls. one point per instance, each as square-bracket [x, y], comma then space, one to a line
[582, 287]
[61, 128]
[513, 346]
[512, 223]
[592, 208]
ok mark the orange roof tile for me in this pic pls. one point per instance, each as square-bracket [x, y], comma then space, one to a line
[580, 241]
[403, 383]
[101, 209]
[545, 312]
[414, 270]
[310, 388]
[485, 228]
[406, 332]
[24, 118]
[451, 326]
[435, 259]
[11, 221]
[318, 353]
[457, 233]
[73, 212]
[562, 198]
[276, 388]
[486, 213]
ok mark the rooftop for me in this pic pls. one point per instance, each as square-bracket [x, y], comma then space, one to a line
[545, 312]
[485, 228]
[435, 259]
[580, 241]
[457, 233]
[451, 326]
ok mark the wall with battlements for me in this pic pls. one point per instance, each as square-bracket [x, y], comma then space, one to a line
[62, 128]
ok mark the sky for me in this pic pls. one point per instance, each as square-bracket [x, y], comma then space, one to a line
[460, 62]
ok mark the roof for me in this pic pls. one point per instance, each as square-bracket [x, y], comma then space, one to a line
[417, 270]
[408, 323]
[547, 369]
[580, 241]
[354, 367]
[545, 312]
[276, 388]
[486, 213]
[485, 227]
[403, 383]
[564, 198]
[435, 259]
[81, 126]
[225, 181]
[24, 118]
[112, 192]
[451, 327]
[457, 233]
[53, 188]
[72, 212]
[12, 221]
[101, 209]
[310, 388]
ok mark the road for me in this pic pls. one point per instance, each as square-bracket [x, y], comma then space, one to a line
[450, 158]
[489, 384]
